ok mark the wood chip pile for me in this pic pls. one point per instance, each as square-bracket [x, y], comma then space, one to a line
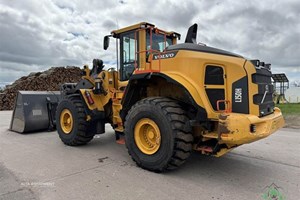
[49, 80]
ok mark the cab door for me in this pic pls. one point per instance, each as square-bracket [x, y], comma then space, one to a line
[215, 86]
[128, 48]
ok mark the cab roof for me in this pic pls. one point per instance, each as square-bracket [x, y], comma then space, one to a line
[116, 33]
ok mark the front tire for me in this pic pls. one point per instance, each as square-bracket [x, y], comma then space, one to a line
[71, 123]
[158, 135]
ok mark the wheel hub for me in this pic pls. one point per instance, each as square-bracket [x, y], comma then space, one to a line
[66, 121]
[150, 134]
[147, 136]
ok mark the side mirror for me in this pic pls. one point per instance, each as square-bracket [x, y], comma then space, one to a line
[106, 42]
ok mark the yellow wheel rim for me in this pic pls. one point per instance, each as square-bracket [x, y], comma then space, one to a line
[147, 136]
[66, 121]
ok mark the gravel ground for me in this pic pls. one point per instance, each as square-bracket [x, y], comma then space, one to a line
[39, 166]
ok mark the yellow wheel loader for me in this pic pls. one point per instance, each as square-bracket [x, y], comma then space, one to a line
[169, 99]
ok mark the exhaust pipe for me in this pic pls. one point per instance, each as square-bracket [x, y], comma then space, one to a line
[34, 111]
[192, 34]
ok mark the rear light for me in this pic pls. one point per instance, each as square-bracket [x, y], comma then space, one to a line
[252, 128]
[268, 66]
[262, 64]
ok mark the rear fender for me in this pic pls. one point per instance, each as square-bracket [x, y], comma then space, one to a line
[139, 85]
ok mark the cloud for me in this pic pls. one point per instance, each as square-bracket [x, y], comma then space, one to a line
[39, 34]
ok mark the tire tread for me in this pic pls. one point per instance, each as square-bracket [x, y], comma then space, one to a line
[178, 119]
[81, 137]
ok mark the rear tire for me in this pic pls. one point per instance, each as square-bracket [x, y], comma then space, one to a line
[164, 119]
[71, 123]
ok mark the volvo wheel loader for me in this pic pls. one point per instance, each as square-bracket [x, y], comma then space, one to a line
[169, 99]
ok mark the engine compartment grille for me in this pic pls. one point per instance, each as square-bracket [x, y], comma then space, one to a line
[264, 97]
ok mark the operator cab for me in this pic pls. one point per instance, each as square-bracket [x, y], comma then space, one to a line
[137, 43]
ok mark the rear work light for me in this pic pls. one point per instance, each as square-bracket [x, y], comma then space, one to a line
[252, 128]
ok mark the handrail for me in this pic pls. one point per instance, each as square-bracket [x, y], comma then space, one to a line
[151, 51]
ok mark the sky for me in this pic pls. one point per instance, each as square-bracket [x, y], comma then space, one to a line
[38, 34]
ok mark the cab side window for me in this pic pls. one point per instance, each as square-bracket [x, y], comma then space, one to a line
[158, 41]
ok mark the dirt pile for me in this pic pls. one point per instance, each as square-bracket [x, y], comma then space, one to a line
[49, 80]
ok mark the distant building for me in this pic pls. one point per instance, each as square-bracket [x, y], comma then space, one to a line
[292, 95]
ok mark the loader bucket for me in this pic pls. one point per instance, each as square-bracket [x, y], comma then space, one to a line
[34, 111]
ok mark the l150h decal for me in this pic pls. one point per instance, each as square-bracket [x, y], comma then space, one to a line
[240, 100]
